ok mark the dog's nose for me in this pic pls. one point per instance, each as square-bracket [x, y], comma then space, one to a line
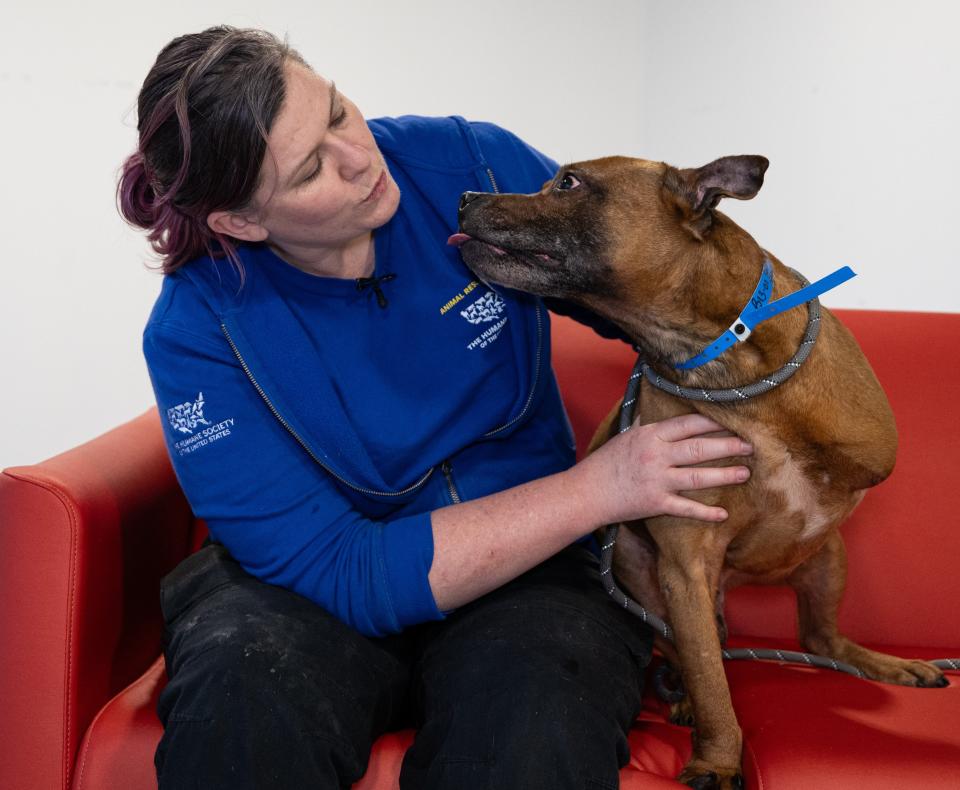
[466, 198]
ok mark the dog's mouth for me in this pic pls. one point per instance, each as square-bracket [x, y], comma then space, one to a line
[460, 239]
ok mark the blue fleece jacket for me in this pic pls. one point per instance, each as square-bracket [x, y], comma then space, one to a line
[314, 430]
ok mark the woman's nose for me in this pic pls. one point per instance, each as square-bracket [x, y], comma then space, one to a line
[354, 160]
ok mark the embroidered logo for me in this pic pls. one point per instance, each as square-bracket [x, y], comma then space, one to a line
[487, 308]
[187, 416]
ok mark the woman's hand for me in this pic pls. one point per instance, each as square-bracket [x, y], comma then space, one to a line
[638, 473]
[483, 543]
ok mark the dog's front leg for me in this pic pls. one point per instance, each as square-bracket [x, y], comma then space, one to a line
[819, 583]
[688, 585]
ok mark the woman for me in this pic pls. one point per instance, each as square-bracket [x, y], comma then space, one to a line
[375, 439]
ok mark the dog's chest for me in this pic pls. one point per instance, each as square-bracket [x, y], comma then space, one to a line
[788, 492]
[790, 510]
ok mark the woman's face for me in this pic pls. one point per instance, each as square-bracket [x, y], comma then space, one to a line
[333, 185]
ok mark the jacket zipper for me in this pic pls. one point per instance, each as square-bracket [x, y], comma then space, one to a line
[493, 181]
[447, 469]
[536, 375]
[303, 444]
[536, 378]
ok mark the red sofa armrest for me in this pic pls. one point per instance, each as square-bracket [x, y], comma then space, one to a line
[85, 538]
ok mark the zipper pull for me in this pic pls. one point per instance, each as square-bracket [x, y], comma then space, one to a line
[447, 469]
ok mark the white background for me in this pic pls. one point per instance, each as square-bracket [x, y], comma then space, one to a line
[855, 104]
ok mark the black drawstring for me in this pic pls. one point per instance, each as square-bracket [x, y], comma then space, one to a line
[374, 282]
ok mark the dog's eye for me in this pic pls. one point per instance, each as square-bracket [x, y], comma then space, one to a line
[569, 181]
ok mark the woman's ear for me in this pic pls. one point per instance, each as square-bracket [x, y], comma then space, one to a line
[239, 227]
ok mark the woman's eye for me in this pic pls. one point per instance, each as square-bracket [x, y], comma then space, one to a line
[335, 122]
[569, 181]
[313, 175]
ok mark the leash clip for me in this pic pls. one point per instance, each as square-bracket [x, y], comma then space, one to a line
[740, 330]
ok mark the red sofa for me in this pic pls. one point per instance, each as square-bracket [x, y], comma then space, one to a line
[86, 535]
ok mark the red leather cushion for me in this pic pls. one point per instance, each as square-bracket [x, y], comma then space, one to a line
[806, 727]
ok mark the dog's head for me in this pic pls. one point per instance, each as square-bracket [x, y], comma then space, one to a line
[613, 230]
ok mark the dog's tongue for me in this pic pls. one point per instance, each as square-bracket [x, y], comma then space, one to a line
[458, 238]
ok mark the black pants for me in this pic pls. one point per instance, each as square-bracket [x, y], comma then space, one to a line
[531, 686]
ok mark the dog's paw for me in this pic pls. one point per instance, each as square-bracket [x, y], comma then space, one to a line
[697, 775]
[668, 684]
[937, 682]
[681, 713]
[908, 672]
[707, 781]
[922, 674]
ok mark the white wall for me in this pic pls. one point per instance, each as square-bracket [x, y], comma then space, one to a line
[855, 104]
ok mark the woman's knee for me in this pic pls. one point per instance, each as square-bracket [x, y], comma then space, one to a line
[538, 736]
[541, 641]
[228, 725]
[535, 686]
[280, 670]
[269, 681]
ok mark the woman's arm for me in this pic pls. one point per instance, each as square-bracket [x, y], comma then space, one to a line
[278, 513]
[284, 520]
[481, 544]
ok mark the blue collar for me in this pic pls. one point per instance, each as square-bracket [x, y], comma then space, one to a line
[757, 310]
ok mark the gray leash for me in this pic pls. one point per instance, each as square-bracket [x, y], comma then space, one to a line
[733, 394]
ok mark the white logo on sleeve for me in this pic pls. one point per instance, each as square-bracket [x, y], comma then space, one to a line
[187, 417]
[487, 308]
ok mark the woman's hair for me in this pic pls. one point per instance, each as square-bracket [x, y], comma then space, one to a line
[203, 116]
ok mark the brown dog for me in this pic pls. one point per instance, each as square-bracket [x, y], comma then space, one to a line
[640, 244]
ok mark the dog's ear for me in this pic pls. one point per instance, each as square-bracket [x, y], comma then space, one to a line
[696, 191]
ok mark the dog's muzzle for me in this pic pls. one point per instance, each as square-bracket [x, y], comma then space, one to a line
[465, 200]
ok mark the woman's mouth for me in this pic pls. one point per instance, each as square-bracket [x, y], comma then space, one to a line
[378, 189]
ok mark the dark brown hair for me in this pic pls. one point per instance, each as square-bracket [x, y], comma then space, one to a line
[203, 116]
